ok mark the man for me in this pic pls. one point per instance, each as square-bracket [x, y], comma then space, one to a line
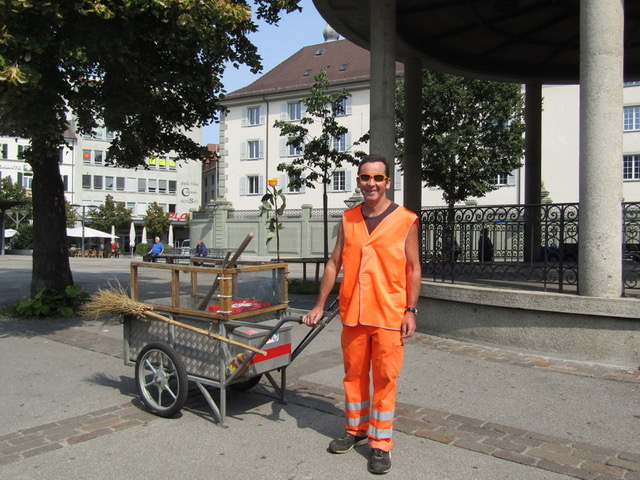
[201, 250]
[156, 249]
[377, 245]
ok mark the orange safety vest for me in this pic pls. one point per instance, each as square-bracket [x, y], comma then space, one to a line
[374, 280]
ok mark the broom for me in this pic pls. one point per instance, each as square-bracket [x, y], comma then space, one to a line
[115, 302]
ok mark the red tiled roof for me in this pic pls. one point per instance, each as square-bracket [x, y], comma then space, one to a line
[345, 62]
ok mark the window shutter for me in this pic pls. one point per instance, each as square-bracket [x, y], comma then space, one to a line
[349, 104]
[347, 181]
[511, 179]
[243, 185]
[243, 151]
[261, 184]
[347, 142]
[397, 179]
[245, 117]
[284, 112]
[263, 118]
[261, 149]
[283, 147]
[303, 110]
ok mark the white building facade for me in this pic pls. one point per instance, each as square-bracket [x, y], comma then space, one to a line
[252, 148]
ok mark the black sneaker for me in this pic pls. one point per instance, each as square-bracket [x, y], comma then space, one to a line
[379, 462]
[346, 443]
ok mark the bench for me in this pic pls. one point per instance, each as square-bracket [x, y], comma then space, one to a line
[304, 261]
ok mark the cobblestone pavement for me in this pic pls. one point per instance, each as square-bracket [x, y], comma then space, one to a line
[544, 452]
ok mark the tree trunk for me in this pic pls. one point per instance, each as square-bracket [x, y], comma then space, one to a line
[50, 255]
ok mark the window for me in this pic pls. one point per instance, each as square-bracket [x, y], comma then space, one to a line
[340, 143]
[290, 150]
[65, 182]
[98, 156]
[294, 111]
[132, 207]
[631, 167]
[285, 181]
[153, 185]
[27, 180]
[162, 186]
[4, 151]
[108, 183]
[120, 184]
[252, 185]
[142, 185]
[86, 182]
[506, 179]
[172, 186]
[339, 181]
[86, 156]
[341, 108]
[172, 163]
[252, 150]
[97, 182]
[253, 115]
[130, 185]
[631, 118]
[21, 149]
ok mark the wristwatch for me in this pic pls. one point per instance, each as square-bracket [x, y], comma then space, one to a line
[412, 310]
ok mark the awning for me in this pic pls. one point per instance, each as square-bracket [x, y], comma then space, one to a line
[88, 233]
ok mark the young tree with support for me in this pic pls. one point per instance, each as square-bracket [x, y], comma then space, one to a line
[319, 156]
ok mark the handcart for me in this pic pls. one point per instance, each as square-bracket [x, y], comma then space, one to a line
[227, 337]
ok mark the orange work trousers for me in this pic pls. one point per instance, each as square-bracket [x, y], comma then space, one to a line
[371, 353]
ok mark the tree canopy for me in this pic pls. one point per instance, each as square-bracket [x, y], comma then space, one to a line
[148, 70]
[111, 213]
[156, 221]
[472, 131]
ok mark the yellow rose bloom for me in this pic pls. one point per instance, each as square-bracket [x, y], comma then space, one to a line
[272, 182]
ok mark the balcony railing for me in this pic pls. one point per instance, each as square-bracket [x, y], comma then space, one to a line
[533, 246]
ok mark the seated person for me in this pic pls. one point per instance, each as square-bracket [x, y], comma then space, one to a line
[201, 250]
[156, 249]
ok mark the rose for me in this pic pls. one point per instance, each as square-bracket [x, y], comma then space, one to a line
[269, 201]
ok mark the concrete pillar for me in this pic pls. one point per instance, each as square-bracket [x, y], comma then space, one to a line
[532, 169]
[601, 68]
[383, 81]
[412, 135]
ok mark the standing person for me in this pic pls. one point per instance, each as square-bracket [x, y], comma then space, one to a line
[377, 245]
[114, 248]
[156, 249]
[485, 247]
[201, 250]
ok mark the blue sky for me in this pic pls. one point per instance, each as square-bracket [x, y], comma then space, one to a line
[275, 44]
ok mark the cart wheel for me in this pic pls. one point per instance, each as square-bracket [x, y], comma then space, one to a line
[161, 379]
[247, 384]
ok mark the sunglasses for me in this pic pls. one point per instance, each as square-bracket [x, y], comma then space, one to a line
[365, 177]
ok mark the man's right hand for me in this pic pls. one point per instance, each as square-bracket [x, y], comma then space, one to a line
[313, 317]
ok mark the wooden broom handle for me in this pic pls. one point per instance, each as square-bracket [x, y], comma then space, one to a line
[203, 332]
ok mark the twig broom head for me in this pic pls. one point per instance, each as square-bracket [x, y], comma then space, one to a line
[113, 302]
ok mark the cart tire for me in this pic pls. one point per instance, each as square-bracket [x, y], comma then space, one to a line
[161, 379]
[247, 384]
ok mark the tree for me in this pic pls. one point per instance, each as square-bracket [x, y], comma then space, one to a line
[156, 220]
[15, 192]
[472, 131]
[110, 213]
[148, 70]
[322, 154]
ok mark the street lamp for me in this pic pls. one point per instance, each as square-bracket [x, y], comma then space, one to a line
[84, 216]
[354, 199]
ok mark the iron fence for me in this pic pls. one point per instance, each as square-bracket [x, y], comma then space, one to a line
[535, 245]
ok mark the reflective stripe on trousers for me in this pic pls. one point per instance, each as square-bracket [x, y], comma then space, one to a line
[371, 353]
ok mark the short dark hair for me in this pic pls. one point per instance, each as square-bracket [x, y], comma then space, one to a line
[374, 158]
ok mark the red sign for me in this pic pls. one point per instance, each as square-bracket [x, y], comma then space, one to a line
[178, 216]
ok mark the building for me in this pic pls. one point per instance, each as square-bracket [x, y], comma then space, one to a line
[251, 147]
[89, 177]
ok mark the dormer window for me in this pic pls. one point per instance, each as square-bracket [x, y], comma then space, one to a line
[320, 51]
[307, 72]
[343, 67]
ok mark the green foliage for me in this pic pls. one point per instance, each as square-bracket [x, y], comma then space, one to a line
[110, 213]
[15, 192]
[47, 303]
[142, 248]
[156, 220]
[269, 201]
[70, 214]
[472, 131]
[24, 237]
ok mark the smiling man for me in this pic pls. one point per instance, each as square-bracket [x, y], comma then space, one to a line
[377, 247]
